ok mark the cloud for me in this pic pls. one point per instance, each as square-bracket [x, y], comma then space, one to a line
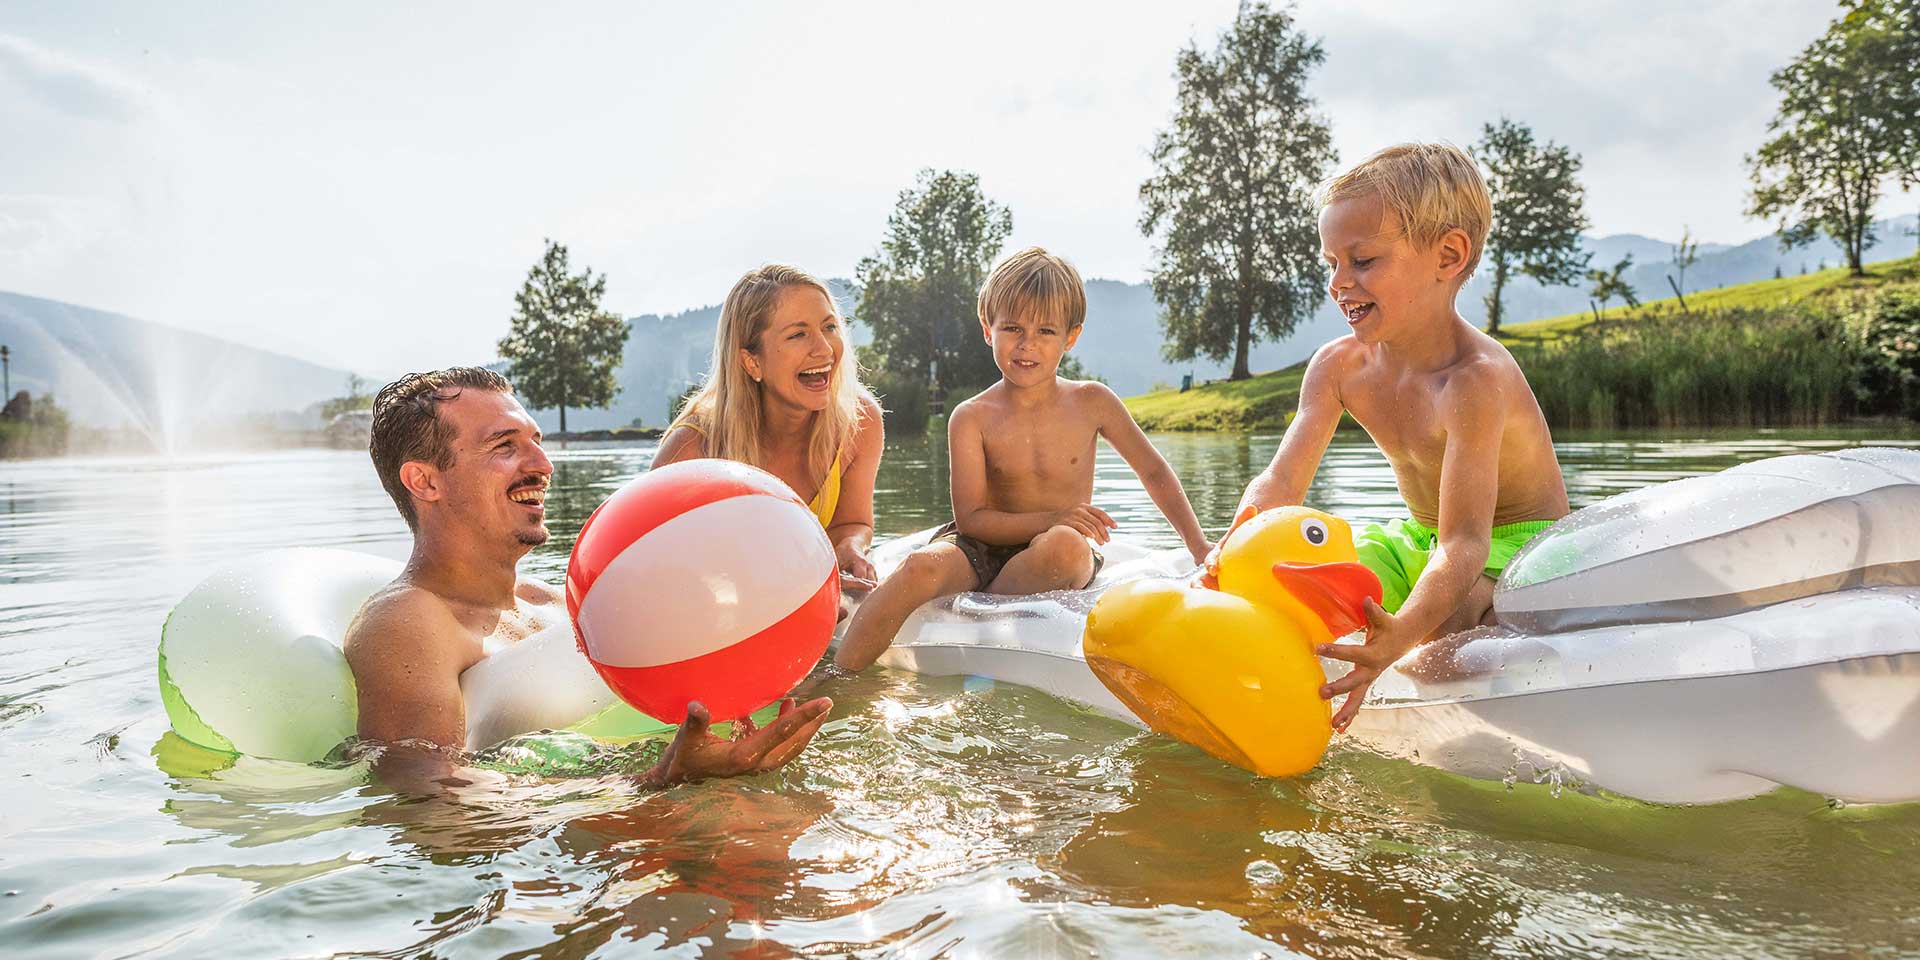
[68, 85]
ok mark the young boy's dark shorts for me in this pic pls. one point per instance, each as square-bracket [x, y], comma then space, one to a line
[988, 559]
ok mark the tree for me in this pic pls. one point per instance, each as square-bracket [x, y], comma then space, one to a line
[356, 398]
[1849, 119]
[563, 348]
[1608, 284]
[1231, 196]
[1538, 211]
[1685, 254]
[920, 294]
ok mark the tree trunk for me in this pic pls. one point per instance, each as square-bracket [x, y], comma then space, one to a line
[563, 418]
[1493, 298]
[1243, 333]
[1243, 317]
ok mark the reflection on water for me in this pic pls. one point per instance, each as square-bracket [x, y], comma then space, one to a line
[934, 817]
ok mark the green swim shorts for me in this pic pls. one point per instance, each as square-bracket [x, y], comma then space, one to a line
[1397, 552]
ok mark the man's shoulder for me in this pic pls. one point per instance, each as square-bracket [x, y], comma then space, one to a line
[539, 591]
[399, 613]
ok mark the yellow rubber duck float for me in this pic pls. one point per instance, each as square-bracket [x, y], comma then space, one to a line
[1232, 670]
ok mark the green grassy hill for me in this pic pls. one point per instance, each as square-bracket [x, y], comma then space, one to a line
[1822, 285]
[1267, 401]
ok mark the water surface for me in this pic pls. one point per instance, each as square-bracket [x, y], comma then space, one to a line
[932, 818]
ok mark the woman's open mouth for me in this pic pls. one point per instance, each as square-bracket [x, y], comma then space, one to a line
[817, 377]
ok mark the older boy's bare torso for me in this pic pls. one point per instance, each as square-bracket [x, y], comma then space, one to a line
[1401, 410]
[1038, 457]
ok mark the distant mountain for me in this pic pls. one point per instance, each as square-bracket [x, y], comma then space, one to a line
[110, 370]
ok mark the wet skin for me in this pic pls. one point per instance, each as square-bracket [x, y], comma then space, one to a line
[460, 597]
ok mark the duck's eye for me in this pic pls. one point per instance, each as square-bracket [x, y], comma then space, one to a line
[1315, 532]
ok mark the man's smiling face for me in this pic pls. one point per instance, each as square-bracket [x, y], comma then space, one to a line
[499, 476]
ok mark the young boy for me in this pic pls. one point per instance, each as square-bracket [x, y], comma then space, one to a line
[1401, 233]
[1021, 453]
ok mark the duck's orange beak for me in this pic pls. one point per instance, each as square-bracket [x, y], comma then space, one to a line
[1336, 592]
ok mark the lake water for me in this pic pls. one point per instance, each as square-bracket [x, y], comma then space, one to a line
[931, 817]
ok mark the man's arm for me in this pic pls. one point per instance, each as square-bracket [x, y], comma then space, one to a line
[967, 459]
[1474, 407]
[852, 530]
[406, 652]
[1162, 484]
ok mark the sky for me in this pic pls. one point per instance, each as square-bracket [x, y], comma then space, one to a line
[366, 184]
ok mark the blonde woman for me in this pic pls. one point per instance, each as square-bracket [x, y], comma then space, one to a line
[783, 396]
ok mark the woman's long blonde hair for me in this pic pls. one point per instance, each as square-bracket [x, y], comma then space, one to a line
[726, 409]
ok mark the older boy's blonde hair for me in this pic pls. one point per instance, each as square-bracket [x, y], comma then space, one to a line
[1034, 284]
[1429, 187]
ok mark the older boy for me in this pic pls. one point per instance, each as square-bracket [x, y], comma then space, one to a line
[1022, 453]
[1401, 233]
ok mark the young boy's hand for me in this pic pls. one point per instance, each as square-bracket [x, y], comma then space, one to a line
[1387, 642]
[1092, 522]
[855, 568]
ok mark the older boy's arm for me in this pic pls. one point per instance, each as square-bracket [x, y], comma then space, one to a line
[1285, 480]
[967, 459]
[852, 530]
[1469, 490]
[1162, 484]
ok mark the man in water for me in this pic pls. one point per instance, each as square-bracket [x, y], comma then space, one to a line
[462, 460]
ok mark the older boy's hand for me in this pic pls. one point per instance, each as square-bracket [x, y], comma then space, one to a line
[1210, 566]
[1387, 641]
[1092, 522]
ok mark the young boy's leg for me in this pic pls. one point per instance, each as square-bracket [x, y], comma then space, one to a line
[935, 570]
[1059, 559]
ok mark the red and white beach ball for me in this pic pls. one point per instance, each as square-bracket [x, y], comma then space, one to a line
[704, 580]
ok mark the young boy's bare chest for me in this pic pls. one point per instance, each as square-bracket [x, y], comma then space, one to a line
[1035, 455]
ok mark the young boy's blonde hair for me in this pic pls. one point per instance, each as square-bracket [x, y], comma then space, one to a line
[1034, 284]
[1429, 187]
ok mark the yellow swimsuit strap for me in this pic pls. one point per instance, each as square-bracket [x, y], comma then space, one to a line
[825, 501]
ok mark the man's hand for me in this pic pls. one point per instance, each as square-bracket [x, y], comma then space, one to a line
[1387, 641]
[696, 754]
[1210, 564]
[1092, 522]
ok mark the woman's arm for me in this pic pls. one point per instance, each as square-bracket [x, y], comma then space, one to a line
[851, 532]
[680, 443]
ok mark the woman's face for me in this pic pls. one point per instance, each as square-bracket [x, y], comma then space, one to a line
[799, 350]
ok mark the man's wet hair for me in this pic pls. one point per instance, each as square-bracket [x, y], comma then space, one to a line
[407, 425]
